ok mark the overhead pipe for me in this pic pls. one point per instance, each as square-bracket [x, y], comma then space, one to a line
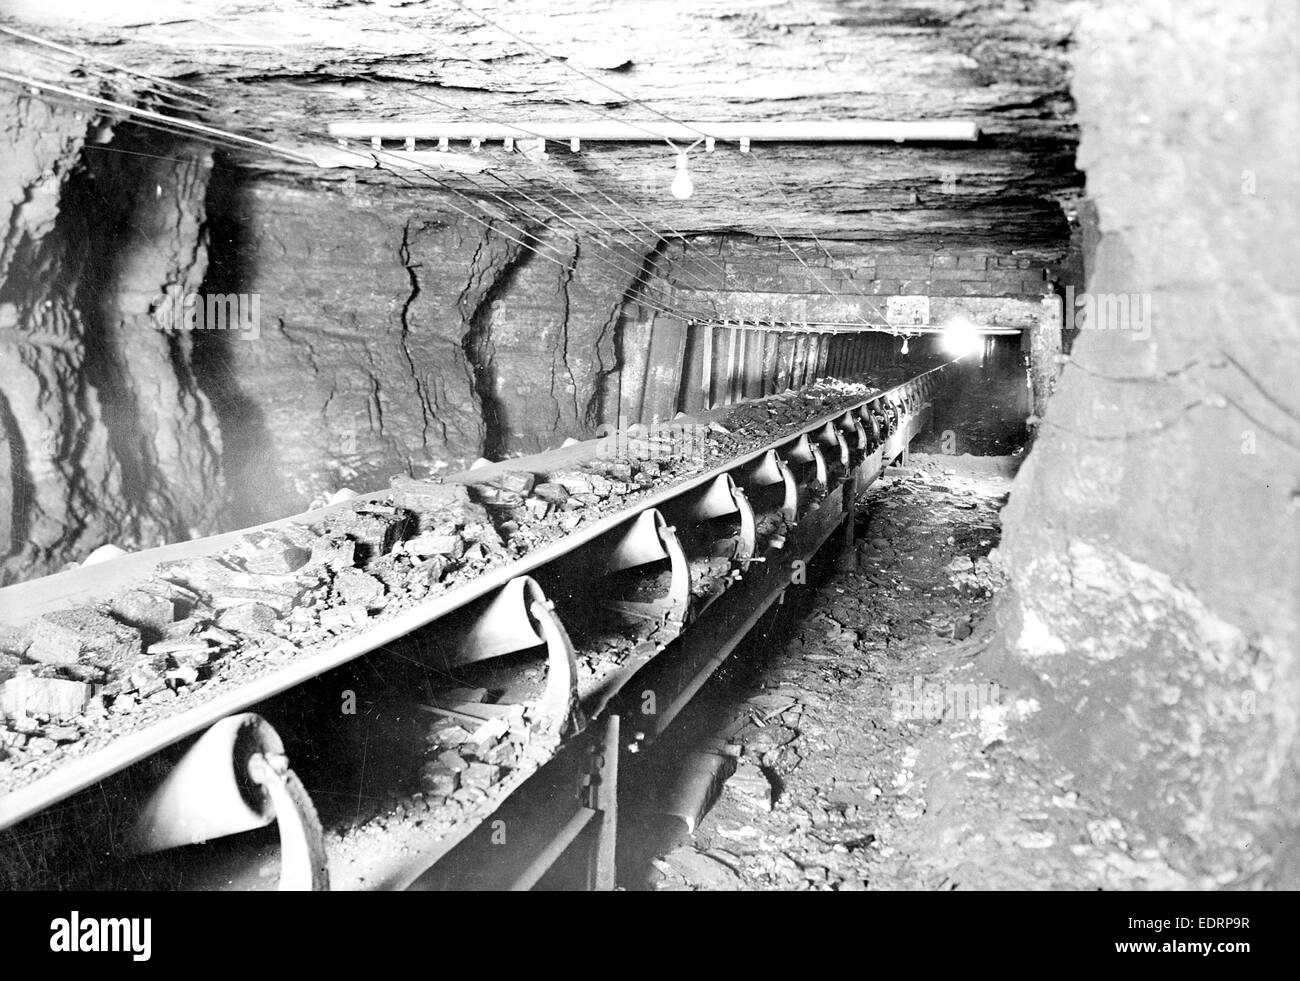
[616, 131]
[844, 327]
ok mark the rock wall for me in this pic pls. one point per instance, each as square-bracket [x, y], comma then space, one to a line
[553, 341]
[396, 335]
[351, 329]
[108, 437]
[1153, 535]
[40, 143]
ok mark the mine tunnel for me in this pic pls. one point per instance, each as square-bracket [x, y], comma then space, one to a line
[802, 446]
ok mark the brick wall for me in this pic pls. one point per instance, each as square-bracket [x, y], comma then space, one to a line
[756, 266]
[719, 279]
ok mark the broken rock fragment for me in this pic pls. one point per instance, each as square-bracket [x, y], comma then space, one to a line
[375, 529]
[282, 558]
[182, 629]
[144, 609]
[573, 481]
[247, 618]
[68, 636]
[497, 496]
[429, 571]
[202, 573]
[339, 618]
[552, 493]
[518, 482]
[8, 666]
[752, 784]
[452, 760]
[216, 635]
[357, 588]
[427, 495]
[279, 601]
[480, 775]
[148, 675]
[192, 653]
[428, 543]
[182, 674]
[962, 563]
[58, 698]
[439, 780]
[334, 552]
[583, 483]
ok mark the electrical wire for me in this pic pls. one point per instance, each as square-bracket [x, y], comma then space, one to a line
[785, 197]
[172, 124]
[82, 63]
[1269, 396]
[703, 135]
[490, 68]
[525, 232]
[1157, 427]
[1215, 398]
[1157, 379]
[636, 276]
[76, 101]
[578, 71]
[155, 117]
[563, 63]
[81, 55]
[496, 69]
[211, 134]
[445, 105]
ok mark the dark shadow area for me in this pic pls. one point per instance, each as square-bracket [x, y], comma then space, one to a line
[245, 440]
[645, 832]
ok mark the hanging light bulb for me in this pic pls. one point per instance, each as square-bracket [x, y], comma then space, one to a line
[682, 187]
[904, 349]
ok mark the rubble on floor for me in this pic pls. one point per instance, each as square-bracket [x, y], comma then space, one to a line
[873, 757]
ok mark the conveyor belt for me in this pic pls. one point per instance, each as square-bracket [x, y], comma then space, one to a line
[811, 476]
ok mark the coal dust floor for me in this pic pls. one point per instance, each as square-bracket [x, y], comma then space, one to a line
[851, 744]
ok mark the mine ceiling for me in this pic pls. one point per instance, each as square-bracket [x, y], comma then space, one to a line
[283, 71]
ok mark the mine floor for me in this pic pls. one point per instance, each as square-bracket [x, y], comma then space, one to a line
[869, 750]
[856, 742]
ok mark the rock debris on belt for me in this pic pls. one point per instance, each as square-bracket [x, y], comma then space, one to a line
[224, 619]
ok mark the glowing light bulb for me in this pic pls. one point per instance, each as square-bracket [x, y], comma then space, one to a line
[904, 349]
[682, 187]
[961, 336]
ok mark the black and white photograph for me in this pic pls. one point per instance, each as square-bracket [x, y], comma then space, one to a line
[643, 446]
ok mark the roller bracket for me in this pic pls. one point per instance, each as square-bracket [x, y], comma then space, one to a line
[719, 498]
[645, 539]
[236, 778]
[770, 469]
[517, 617]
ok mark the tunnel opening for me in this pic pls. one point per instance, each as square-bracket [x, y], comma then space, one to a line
[869, 463]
